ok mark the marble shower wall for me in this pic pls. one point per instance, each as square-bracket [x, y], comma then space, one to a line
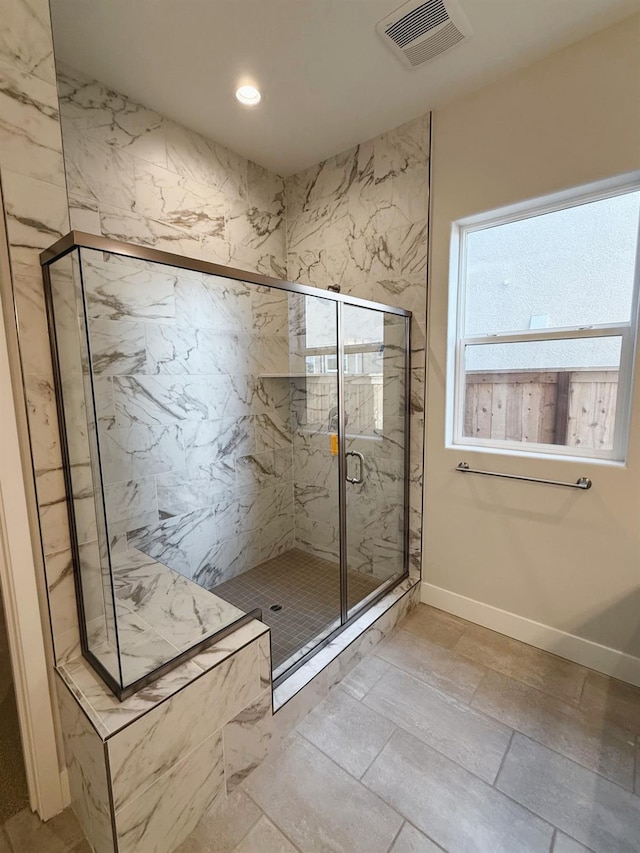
[187, 419]
[195, 439]
[360, 220]
[35, 200]
[135, 175]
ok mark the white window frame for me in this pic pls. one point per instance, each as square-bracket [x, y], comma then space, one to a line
[457, 341]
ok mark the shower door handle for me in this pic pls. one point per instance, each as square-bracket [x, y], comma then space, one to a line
[360, 479]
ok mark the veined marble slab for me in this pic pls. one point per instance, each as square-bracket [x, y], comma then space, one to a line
[99, 172]
[117, 347]
[140, 451]
[88, 781]
[91, 109]
[270, 310]
[160, 614]
[214, 302]
[402, 149]
[30, 132]
[247, 738]
[179, 610]
[123, 291]
[253, 510]
[108, 715]
[152, 400]
[214, 441]
[206, 161]
[181, 723]
[25, 38]
[171, 807]
[269, 468]
[141, 649]
[131, 504]
[265, 190]
[254, 228]
[167, 197]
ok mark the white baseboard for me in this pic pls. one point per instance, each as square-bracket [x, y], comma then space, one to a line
[578, 649]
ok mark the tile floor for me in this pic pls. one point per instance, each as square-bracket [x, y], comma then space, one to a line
[308, 590]
[448, 737]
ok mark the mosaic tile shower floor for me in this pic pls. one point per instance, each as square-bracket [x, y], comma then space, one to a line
[306, 587]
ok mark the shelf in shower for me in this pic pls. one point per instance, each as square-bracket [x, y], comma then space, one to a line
[294, 375]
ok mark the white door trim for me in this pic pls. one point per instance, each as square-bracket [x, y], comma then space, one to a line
[18, 568]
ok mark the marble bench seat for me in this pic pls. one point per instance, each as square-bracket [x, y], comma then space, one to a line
[150, 767]
[160, 615]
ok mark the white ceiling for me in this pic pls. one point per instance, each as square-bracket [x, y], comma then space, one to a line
[327, 79]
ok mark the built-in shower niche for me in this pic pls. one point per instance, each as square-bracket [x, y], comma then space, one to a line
[202, 416]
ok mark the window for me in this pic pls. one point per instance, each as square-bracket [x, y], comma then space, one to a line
[543, 322]
[364, 334]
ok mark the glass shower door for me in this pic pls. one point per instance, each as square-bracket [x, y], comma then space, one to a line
[374, 356]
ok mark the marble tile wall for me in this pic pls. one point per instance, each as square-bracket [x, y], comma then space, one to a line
[187, 416]
[88, 777]
[35, 201]
[360, 220]
[135, 175]
[143, 772]
[187, 411]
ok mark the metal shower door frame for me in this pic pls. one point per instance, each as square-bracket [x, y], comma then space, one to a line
[78, 240]
[344, 480]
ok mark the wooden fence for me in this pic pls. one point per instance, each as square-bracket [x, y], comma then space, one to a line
[573, 408]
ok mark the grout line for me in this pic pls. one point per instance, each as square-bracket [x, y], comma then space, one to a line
[263, 813]
[332, 760]
[411, 673]
[378, 679]
[471, 773]
[477, 688]
[253, 825]
[360, 782]
[282, 832]
[584, 684]
[349, 774]
[556, 751]
[522, 805]
[528, 810]
[396, 836]
[504, 757]
[376, 756]
[422, 832]
[489, 668]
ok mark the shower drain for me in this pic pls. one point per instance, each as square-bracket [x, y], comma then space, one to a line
[275, 607]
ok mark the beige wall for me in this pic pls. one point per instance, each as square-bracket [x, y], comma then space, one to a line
[566, 559]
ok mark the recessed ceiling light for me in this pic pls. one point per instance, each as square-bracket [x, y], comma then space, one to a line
[248, 95]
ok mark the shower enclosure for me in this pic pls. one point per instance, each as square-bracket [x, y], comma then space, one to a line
[234, 447]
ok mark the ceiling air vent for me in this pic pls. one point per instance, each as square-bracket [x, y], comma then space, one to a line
[418, 32]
